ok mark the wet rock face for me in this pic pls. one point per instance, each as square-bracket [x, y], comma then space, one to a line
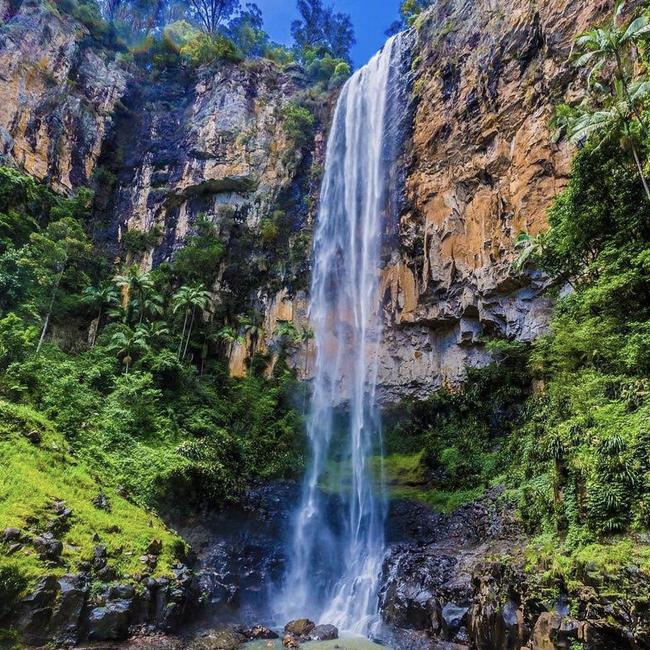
[210, 142]
[63, 610]
[240, 551]
[464, 582]
[57, 94]
[482, 167]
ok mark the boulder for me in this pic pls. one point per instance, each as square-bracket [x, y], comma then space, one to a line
[324, 633]
[35, 611]
[65, 624]
[219, 639]
[110, 622]
[155, 547]
[11, 535]
[553, 631]
[300, 627]
[290, 641]
[259, 632]
[453, 618]
[48, 547]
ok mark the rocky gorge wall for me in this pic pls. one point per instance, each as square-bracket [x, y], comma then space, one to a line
[479, 167]
[58, 93]
[482, 167]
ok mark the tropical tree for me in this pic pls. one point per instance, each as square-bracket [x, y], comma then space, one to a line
[127, 344]
[608, 52]
[189, 298]
[618, 117]
[528, 248]
[253, 326]
[134, 283]
[230, 336]
[57, 252]
[151, 304]
[286, 336]
[612, 45]
[99, 297]
[153, 331]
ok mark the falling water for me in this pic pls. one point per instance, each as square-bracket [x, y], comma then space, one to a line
[338, 542]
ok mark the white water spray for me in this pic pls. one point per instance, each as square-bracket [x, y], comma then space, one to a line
[337, 546]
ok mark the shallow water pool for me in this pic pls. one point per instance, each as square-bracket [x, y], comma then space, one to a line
[344, 643]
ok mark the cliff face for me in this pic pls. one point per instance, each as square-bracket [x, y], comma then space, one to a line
[479, 167]
[212, 143]
[57, 93]
[215, 144]
[482, 168]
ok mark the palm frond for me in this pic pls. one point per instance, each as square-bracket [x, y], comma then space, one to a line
[636, 28]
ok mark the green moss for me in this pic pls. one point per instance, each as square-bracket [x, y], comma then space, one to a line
[620, 566]
[36, 474]
[440, 500]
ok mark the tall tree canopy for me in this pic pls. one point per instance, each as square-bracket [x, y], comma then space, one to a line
[320, 27]
[211, 13]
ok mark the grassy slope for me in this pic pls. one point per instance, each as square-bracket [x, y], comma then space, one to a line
[33, 476]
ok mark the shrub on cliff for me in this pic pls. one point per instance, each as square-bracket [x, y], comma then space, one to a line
[298, 123]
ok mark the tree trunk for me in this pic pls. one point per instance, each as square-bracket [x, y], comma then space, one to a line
[189, 333]
[99, 320]
[180, 345]
[626, 90]
[641, 174]
[49, 311]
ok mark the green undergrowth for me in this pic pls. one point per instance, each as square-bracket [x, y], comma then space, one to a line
[403, 476]
[439, 500]
[617, 566]
[37, 469]
[407, 476]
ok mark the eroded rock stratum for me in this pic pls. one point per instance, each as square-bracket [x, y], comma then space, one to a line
[479, 167]
[482, 167]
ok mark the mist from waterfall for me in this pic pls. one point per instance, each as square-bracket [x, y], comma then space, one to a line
[337, 544]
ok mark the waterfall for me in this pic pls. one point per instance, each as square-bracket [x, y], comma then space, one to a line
[337, 544]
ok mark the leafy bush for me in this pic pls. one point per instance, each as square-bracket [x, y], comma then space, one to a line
[205, 48]
[298, 123]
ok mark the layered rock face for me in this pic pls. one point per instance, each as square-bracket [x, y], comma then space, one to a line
[58, 93]
[482, 168]
[211, 143]
[461, 581]
[479, 167]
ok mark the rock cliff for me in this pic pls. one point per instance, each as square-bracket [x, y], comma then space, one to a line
[482, 168]
[58, 93]
[479, 167]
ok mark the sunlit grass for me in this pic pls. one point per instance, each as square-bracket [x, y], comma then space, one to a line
[33, 476]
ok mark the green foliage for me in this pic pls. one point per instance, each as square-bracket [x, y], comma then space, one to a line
[325, 70]
[200, 258]
[298, 123]
[131, 403]
[39, 468]
[461, 431]
[140, 241]
[581, 464]
[202, 48]
[16, 340]
[88, 13]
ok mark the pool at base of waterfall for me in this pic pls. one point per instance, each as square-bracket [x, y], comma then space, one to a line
[343, 643]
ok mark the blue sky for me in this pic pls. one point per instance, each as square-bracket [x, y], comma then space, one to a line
[371, 19]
